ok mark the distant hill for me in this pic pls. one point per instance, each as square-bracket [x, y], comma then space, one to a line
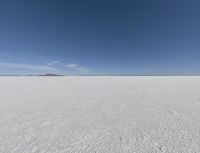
[51, 74]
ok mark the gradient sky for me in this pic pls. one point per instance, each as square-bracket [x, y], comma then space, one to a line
[119, 37]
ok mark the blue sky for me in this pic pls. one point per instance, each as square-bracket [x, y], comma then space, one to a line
[106, 37]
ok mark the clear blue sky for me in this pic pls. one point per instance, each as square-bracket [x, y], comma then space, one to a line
[100, 37]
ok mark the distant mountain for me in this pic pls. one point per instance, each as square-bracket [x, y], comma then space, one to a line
[51, 74]
[48, 74]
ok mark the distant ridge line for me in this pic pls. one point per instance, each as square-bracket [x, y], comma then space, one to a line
[60, 75]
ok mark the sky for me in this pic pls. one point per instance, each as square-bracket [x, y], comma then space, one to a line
[100, 37]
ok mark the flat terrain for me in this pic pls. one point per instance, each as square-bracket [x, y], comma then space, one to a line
[100, 114]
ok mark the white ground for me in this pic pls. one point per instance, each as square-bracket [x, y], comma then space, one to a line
[99, 114]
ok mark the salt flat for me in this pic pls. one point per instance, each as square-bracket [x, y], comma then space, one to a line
[100, 114]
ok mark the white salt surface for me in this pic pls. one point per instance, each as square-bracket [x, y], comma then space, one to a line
[100, 114]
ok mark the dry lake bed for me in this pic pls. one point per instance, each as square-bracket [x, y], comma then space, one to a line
[141, 114]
